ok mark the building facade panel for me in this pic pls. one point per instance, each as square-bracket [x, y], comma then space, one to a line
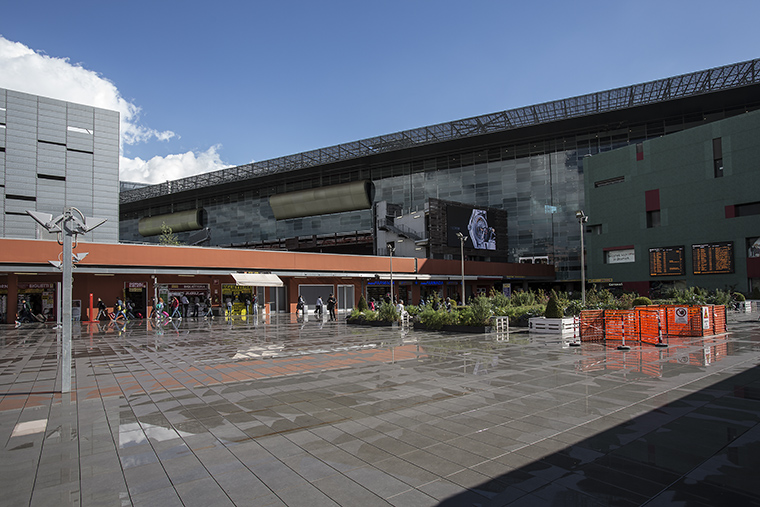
[695, 203]
[49, 145]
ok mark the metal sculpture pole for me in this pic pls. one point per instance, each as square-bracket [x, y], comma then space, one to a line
[582, 219]
[67, 226]
[462, 239]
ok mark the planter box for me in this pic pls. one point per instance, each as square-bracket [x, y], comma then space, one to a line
[553, 326]
[372, 323]
[455, 329]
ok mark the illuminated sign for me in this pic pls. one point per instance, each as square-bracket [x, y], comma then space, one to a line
[713, 258]
[666, 261]
[471, 223]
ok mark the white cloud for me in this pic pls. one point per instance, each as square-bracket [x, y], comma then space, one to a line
[171, 167]
[28, 71]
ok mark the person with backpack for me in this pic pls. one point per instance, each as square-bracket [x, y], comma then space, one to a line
[161, 313]
[119, 309]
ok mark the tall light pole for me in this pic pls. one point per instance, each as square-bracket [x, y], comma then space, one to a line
[391, 248]
[67, 226]
[582, 219]
[462, 239]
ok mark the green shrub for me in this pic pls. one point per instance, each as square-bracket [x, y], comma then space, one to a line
[436, 319]
[357, 315]
[387, 312]
[480, 312]
[553, 310]
[641, 301]
[362, 304]
[412, 310]
[528, 298]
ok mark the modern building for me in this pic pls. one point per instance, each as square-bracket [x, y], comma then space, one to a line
[55, 154]
[526, 165]
[488, 203]
[681, 210]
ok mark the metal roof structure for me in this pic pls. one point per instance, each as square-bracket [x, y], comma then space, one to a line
[686, 85]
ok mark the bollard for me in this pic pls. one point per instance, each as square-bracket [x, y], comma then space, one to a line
[623, 346]
[659, 333]
[576, 332]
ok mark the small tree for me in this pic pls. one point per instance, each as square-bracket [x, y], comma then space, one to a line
[362, 304]
[553, 310]
[167, 236]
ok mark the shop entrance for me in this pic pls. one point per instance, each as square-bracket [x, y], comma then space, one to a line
[378, 290]
[345, 296]
[41, 297]
[137, 293]
[197, 294]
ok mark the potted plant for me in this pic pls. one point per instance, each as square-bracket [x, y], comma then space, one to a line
[554, 320]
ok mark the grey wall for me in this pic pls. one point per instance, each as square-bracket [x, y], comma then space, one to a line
[55, 154]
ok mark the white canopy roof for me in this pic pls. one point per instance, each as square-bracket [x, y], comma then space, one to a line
[257, 279]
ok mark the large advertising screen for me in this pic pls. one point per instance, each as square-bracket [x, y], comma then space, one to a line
[472, 223]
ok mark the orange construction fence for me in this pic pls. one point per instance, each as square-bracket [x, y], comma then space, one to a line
[651, 324]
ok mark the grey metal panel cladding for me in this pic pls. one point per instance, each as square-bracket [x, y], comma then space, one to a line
[79, 141]
[81, 116]
[51, 196]
[51, 121]
[17, 226]
[36, 139]
[51, 159]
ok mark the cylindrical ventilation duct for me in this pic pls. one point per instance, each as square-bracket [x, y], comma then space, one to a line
[321, 201]
[181, 221]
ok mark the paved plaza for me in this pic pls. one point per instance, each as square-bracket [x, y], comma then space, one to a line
[273, 412]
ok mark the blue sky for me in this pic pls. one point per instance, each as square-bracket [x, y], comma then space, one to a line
[204, 85]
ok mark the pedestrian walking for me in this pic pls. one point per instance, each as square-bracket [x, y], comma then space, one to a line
[102, 310]
[160, 311]
[175, 308]
[119, 310]
[209, 310]
[318, 309]
[331, 303]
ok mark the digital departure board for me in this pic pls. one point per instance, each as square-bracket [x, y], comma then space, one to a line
[713, 258]
[666, 261]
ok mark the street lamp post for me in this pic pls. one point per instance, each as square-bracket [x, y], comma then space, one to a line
[462, 239]
[67, 226]
[582, 219]
[391, 248]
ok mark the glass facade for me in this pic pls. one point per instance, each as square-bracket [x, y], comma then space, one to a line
[527, 164]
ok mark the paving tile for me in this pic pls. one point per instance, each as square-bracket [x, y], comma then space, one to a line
[326, 423]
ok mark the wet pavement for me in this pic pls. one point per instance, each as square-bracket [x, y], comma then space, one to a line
[281, 412]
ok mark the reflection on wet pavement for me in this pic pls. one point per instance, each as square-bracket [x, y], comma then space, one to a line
[279, 411]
